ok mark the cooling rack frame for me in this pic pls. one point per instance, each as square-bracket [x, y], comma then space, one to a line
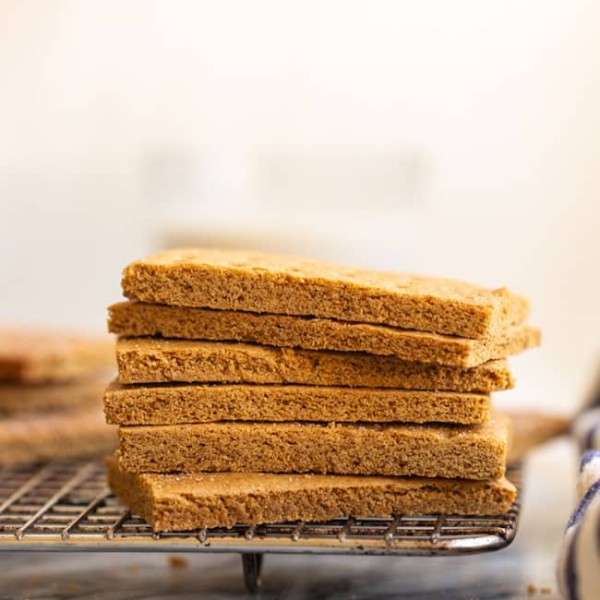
[66, 506]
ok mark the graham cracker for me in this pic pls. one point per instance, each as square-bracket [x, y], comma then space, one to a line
[148, 360]
[468, 452]
[192, 501]
[44, 355]
[18, 398]
[171, 404]
[259, 282]
[137, 319]
[67, 434]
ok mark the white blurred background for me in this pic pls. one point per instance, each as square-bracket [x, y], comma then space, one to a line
[455, 138]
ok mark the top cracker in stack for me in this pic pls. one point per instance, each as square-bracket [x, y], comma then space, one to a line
[261, 283]
[271, 343]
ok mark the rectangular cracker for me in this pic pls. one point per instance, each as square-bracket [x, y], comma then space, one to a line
[192, 501]
[468, 452]
[148, 360]
[137, 319]
[18, 398]
[69, 434]
[44, 355]
[258, 282]
[172, 404]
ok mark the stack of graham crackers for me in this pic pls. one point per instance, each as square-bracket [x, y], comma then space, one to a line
[51, 385]
[257, 388]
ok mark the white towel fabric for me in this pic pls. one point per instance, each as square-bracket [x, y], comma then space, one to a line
[586, 429]
[579, 561]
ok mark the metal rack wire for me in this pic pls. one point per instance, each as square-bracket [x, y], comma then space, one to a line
[66, 506]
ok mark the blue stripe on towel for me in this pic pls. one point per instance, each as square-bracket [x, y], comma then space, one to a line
[598, 540]
[571, 579]
[571, 567]
[587, 458]
[585, 502]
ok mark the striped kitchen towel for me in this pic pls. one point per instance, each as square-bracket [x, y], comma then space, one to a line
[579, 561]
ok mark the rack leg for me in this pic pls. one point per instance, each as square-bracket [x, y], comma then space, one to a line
[252, 565]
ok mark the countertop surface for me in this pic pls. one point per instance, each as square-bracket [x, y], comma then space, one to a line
[523, 570]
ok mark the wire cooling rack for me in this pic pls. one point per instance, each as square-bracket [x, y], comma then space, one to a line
[66, 506]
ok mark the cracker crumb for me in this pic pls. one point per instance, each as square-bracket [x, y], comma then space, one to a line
[531, 589]
[178, 562]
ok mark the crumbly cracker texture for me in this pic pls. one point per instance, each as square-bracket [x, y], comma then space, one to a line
[149, 360]
[192, 501]
[137, 319]
[469, 452]
[259, 282]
